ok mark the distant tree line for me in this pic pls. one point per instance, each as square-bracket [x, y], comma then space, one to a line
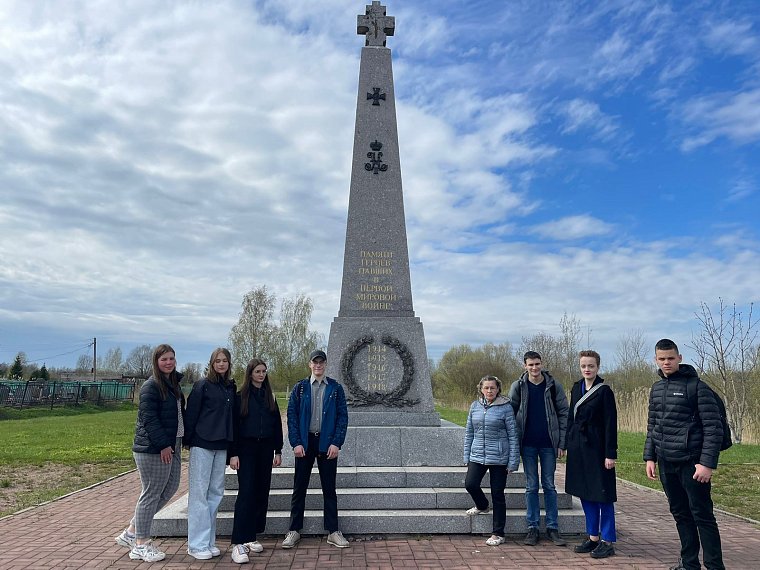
[725, 343]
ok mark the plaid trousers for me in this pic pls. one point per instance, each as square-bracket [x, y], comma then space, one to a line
[159, 483]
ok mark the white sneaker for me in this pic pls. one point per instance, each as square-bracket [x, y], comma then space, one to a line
[291, 539]
[146, 552]
[254, 546]
[126, 539]
[214, 551]
[240, 553]
[477, 511]
[202, 554]
[495, 540]
[337, 539]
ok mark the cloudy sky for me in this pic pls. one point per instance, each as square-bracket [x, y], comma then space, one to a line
[160, 159]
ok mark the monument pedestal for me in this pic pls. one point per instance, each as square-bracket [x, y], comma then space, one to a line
[382, 362]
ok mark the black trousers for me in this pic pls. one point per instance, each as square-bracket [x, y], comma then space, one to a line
[254, 482]
[475, 474]
[692, 509]
[328, 469]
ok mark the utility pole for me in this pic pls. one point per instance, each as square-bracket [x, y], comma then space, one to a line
[94, 359]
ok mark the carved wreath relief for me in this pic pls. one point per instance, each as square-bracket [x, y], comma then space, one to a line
[360, 397]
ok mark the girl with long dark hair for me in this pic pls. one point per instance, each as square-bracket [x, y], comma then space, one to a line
[257, 448]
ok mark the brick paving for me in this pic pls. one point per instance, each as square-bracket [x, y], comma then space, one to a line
[77, 532]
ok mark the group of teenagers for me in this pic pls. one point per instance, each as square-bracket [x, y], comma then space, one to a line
[222, 426]
[535, 422]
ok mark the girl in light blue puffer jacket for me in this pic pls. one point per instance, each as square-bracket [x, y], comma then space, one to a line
[490, 444]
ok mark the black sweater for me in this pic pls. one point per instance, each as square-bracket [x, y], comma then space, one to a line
[260, 423]
[208, 418]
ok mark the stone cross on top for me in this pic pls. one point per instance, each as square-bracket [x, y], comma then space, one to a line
[375, 25]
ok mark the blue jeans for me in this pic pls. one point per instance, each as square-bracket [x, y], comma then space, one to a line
[205, 491]
[548, 458]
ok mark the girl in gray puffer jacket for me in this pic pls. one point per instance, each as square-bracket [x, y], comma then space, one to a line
[490, 444]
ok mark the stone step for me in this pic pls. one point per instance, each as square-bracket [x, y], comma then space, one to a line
[381, 477]
[393, 498]
[172, 521]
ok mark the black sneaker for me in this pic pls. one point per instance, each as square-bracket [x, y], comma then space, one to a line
[586, 546]
[531, 539]
[604, 550]
[678, 566]
[553, 535]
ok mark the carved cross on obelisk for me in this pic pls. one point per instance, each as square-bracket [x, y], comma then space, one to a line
[375, 25]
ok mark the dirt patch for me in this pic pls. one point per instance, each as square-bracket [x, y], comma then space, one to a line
[22, 487]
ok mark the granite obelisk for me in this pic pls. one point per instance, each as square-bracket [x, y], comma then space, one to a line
[377, 345]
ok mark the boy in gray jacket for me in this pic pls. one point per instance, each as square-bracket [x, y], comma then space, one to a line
[541, 410]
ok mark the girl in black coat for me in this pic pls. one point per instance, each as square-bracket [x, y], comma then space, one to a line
[256, 449]
[156, 449]
[591, 455]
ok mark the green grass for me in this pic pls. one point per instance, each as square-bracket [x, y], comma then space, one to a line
[46, 412]
[458, 417]
[45, 457]
[84, 438]
[736, 482]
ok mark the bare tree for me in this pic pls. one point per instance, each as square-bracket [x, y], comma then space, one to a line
[633, 361]
[559, 356]
[727, 357]
[139, 362]
[84, 363]
[294, 340]
[192, 372]
[252, 335]
[569, 345]
[112, 361]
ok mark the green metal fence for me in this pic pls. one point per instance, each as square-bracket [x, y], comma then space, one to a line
[32, 393]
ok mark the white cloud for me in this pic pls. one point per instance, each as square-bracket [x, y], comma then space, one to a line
[583, 114]
[735, 116]
[572, 228]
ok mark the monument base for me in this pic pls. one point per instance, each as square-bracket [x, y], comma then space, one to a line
[396, 446]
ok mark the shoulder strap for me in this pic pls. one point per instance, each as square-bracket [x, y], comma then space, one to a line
[692, 389]
[585, 397]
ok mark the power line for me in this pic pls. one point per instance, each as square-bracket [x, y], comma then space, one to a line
[79, 349]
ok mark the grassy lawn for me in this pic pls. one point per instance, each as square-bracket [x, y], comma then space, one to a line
[46, 456]
[736, 482]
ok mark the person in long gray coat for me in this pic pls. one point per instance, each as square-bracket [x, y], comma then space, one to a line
[490, 445]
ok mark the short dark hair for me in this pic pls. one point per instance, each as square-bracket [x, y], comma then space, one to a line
[666, 344]
[591, 354]
[531, 354]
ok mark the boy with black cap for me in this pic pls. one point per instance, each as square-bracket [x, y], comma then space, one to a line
[317, 423]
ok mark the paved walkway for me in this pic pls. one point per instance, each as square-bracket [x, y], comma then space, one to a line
[77, 532]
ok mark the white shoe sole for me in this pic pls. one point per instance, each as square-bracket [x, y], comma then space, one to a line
[201, 555]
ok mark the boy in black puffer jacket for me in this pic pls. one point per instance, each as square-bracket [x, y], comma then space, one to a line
[686, 445]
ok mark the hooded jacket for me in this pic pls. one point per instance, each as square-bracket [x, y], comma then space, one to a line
[556, 412]
[490, 436]
[674, 432]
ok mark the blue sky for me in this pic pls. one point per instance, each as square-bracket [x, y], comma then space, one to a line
[161, 159]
